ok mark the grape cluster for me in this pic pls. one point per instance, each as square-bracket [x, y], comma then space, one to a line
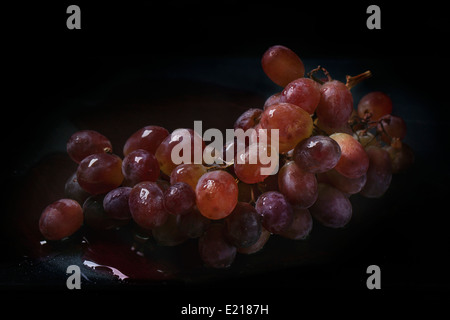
[328, 151]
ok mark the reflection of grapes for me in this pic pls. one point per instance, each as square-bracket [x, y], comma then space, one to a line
[214, 249]
[327, 152]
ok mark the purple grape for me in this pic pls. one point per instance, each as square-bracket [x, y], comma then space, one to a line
[301, 225]
[298, 186]
[146, 205]
[179, 198]
[140, 165]
[275, 210]
[332, 208]
[243, 225]
[116, 205]
[317, 154]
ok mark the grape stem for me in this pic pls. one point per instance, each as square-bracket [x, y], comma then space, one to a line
[354, 80]
[325, 72]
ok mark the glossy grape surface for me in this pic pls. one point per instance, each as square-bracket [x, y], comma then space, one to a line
[184, 139]
[61, 219]
[317, 154]
[100, 173]
[86, 142]
[282, 65]
[294, 124]
[275, 210]
[148, 138]
[187, 173]
[303, 92]
[336, 104]
[116, 205]
[377, 103]
[146, 203]
[248, 119]
[217, 194]
[298, 186]
[354, 161]
[140, 165]
[179, 198]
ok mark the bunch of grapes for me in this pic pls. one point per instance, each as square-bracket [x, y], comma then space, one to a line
[327, 152]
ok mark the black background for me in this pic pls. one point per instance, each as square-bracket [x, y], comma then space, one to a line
[46, 60]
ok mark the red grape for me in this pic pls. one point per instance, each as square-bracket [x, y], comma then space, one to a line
[317, 154]
[72, 189]
[275, 210]
[188, 173]
[86, 142]
[336, 104]
[282, 65]
[379, 174]
[376, 103]
[179, 198]
[217, 194]
[193, 142]
[140, 165]
[243, 225]
[248, 166]
[116, 205]
[148, 138]
[298, 186]
[391, 127]
[294, 124]
[354, 161]
[100, 173]
[248, 119]
[332, 208]
[273, 99]
[60, 219]
[341, 182]
[303, 92]
[146, 203]
[214, 249]
[301, 225]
